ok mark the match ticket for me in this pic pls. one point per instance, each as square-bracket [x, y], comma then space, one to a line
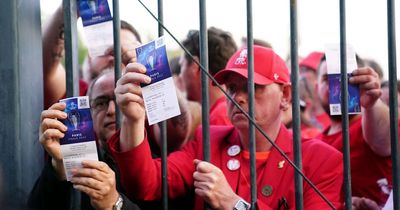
[97, 25]
[332, 52]
[159, 96]
[79, 141]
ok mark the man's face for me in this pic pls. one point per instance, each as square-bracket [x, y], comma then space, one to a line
[267, 102]
[128, 38]
[311, 77]
[323, 86]
[98, 64]
[190, 79]
[103, 107]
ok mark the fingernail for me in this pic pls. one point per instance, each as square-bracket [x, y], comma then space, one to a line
[148, 79]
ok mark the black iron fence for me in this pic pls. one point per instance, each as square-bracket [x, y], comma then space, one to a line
[71, 68]
[13, 107]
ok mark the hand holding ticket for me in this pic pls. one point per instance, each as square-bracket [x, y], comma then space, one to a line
[159, 96]
[79, 141]
[332, 53]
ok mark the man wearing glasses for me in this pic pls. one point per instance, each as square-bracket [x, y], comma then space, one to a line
[97, 180]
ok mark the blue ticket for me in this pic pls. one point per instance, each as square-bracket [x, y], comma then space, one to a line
[160, 99]
[79, 141]
[332, 52]
[94, 11]
[153, 56]
[79, 121]
[97, 26]
[335, 95]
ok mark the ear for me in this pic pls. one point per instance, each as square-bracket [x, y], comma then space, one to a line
[195, 68]
[286, 96]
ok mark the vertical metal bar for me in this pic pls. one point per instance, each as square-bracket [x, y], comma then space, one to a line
[117, 54]
[163, 127]
[204, 80]
[296, 104]
[71, 47]
[71, 67]
[205, 116]
[393, 102]
[344, 105]
[250, 88]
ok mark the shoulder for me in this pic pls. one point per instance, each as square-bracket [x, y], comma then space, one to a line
[316, 147]
[217, 133]
[321, 159]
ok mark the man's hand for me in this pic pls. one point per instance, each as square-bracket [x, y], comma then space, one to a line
[99, 63]
[50, 132]
[129, 93]
[130, 101]
[97, 180]
[211, 184]
[364, 204]
[370, 86]
[128, 52]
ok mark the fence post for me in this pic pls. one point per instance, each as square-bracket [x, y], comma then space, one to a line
[21, 156]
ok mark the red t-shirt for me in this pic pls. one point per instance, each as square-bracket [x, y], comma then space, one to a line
[366, 166]
[83, 88]
[324, 120]
[309, 132]
[219, 113]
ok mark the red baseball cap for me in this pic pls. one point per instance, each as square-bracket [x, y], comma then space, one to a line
[268, 67]
[312, 60]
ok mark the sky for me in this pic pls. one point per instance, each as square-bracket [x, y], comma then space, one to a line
[318, 23]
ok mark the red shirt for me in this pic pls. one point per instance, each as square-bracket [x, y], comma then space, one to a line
[83, 88]
[219, 113]
[366, 166]
[141, 175]
[309, 132]
[324, 120]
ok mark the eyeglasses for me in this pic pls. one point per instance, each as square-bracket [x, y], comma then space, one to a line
[101, 103]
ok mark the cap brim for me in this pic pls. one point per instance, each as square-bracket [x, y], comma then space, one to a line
[223, 74]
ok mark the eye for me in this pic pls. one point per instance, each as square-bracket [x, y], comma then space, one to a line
[100, 103]
[231, 88]
[324, 78]
[256, 86]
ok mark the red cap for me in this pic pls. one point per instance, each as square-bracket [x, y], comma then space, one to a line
[312, 60]
[268, 67]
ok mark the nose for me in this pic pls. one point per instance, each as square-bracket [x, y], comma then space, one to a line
[111, 107]
[240, 96]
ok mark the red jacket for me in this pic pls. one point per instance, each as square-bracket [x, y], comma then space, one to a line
[219, 113]
[141, 175]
